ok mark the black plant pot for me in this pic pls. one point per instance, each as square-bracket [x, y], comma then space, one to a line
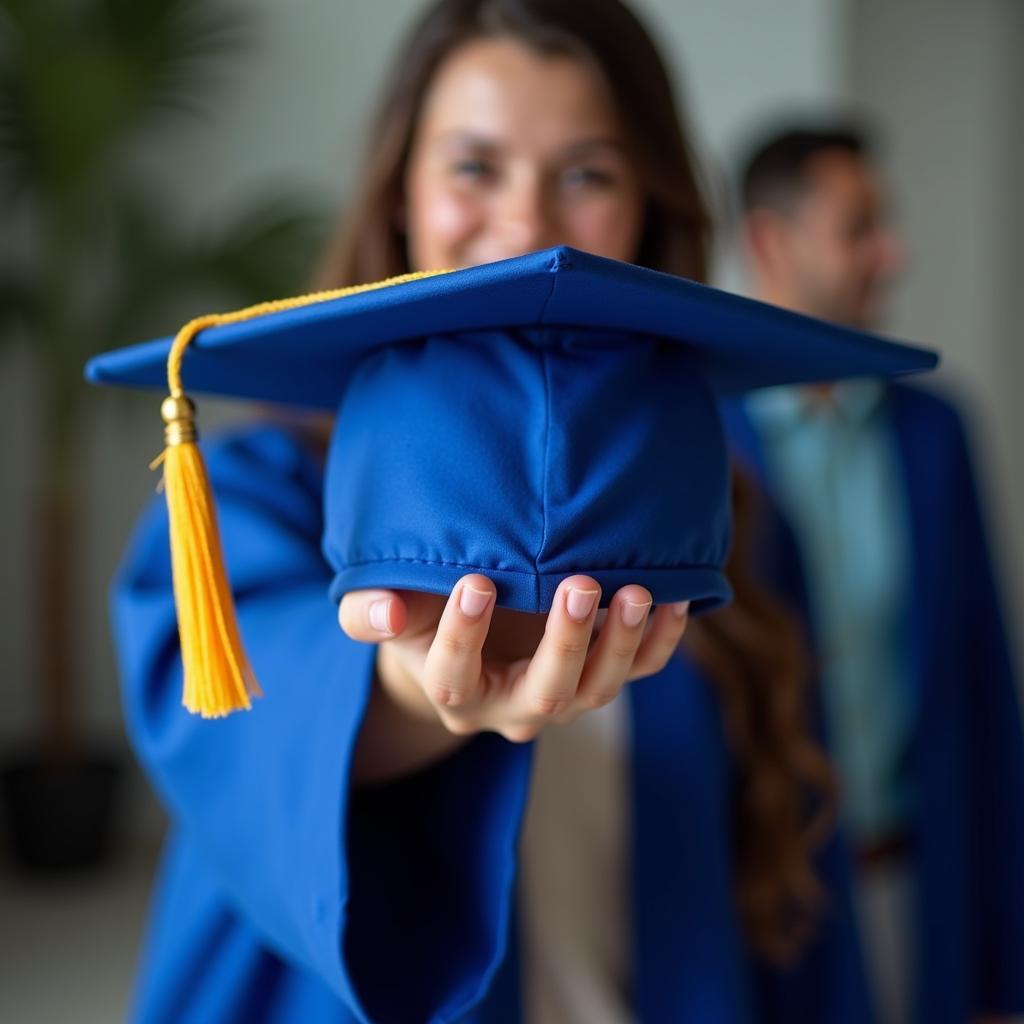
[60, 815]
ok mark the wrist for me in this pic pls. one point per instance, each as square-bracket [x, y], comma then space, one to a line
[401, 734]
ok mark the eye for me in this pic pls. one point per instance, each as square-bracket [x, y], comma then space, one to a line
[584, 176]
[472, 169]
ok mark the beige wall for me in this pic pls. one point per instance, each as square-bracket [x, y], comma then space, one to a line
[944, 81]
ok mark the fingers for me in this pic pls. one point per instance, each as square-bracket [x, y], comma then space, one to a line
[661, 640]
[610, 662]
[452, 672]
[552, 677]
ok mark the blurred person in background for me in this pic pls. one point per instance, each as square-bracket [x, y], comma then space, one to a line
[657, 864]
[876, 483]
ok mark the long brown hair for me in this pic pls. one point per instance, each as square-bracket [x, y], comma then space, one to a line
[752, 649]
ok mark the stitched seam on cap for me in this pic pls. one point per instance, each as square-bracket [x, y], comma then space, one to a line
[545, 366]
[667, 567]
[545, 369]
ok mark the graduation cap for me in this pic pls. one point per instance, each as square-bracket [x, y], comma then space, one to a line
[529, 419]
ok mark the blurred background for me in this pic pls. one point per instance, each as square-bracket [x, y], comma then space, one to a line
[162, 158]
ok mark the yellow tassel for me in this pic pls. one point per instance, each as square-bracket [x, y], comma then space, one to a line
[218, 676]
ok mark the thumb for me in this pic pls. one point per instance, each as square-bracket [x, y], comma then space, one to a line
[373, 616]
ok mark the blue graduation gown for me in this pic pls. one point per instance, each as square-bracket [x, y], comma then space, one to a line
[967, 756]
[286, 895]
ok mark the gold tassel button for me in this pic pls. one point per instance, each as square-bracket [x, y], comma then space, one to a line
[179, 416]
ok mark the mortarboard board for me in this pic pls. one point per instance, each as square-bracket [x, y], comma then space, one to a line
[530, 419]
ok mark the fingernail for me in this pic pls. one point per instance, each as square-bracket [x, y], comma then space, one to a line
[380, 616]
[633, 613]
[681, 608]
[473, 602]
[580, 603]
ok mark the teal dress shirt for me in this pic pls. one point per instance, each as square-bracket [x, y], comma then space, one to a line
[835, 469]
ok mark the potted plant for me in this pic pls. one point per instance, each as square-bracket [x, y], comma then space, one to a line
[91, 259]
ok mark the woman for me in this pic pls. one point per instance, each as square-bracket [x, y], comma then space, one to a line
[509, 126]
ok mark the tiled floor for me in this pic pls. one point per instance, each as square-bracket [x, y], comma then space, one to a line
[68, 945]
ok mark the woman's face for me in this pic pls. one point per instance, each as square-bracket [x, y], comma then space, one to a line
[516, 151]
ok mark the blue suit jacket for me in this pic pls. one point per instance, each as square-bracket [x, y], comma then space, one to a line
[968, 755]
[285, 895]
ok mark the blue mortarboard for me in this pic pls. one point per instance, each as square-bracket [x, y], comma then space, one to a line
[529, 419]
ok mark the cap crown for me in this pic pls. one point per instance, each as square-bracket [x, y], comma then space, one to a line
[529, 456]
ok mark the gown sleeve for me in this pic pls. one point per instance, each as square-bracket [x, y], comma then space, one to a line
[398, 897]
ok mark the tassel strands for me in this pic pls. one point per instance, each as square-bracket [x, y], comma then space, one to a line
[218, 678]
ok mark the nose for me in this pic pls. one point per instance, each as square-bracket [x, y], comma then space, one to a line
[523, 218]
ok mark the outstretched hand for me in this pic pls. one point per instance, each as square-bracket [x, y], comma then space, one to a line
[469, 667]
